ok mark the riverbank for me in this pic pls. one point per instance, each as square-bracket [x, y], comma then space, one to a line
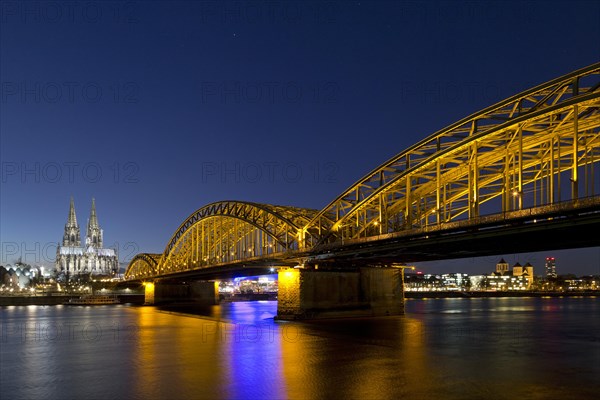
[456, 294]
[138, 299]
[60, 299]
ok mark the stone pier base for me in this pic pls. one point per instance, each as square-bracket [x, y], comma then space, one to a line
[201, 292]
[364, 292]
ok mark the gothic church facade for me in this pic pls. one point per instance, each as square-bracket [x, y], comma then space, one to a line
[73, 259]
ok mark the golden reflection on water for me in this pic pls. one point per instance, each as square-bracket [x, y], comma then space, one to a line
[183, 350]
[146, 347]
[207, 357]
[385, 360]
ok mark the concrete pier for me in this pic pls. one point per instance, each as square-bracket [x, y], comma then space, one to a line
[201, 292]
[366, 291]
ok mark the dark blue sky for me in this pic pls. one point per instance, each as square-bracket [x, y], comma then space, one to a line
[158, 108]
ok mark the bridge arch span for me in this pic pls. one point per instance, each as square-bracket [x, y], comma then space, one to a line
[228, 232]
[537, 148]
[143, 265]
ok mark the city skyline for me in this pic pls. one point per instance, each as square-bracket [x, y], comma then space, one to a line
[157, 118]
[40, 256]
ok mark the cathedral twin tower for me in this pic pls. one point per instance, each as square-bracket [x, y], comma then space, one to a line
[73, 259]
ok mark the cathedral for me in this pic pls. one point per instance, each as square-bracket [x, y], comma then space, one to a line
[72, 259]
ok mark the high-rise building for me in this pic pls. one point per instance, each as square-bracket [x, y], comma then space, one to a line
[72, 259]
[550, 267]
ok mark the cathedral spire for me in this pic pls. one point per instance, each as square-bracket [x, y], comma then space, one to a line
[93, 217]
[94, 233]
[72, 221]
[72, 235]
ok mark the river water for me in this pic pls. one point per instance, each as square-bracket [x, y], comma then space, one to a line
[493, 348]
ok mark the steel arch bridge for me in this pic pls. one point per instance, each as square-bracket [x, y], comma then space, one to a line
[144, 265]
[224, 233]
[538, 150]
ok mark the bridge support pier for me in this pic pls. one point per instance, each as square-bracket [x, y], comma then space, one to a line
[200, 292]
[363, 292]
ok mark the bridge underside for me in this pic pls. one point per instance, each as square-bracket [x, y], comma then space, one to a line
[228, 271]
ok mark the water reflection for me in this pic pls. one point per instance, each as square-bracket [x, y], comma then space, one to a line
[253, 360]
[355, 358]
[445, 348]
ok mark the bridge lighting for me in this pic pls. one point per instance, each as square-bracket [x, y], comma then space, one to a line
[403, 267]
[287, 275]
[432, 180]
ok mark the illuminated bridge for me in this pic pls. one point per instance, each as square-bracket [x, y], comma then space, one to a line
[521, 175]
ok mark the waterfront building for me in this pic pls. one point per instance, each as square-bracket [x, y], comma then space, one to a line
[502, 267]
[420, 282]
[73, 259]
[456, 281]
[520, 278]
[528, 273]
[525, 272]
[477, 282]
[18, 276]
[506, 282]
[550, 267]
[517, 269]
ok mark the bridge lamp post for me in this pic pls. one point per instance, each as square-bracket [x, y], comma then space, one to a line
[518, 197]
[377, 227]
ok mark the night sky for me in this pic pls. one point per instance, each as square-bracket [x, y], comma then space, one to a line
[158, 108]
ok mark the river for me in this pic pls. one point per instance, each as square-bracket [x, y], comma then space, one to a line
[463, 348]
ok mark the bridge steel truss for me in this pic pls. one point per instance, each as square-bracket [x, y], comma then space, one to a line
[538, 148]
[229, 232]
[143, 265]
